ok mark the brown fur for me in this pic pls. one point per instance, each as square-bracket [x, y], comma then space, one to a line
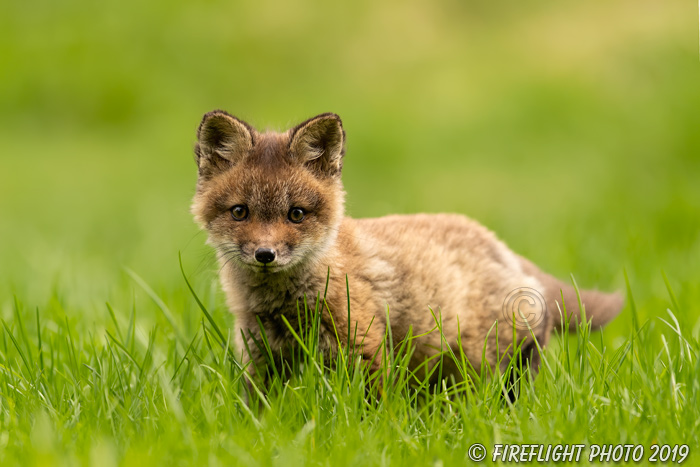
[410, 264]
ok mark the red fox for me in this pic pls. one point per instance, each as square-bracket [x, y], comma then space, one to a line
[273, 206]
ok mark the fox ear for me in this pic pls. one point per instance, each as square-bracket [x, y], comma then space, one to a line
[319, 143]
[222, 142]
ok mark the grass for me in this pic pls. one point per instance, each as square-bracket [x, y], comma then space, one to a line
[569, 129]
[175, 394]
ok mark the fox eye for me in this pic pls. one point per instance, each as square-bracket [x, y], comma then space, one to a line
[296, 215]
[239, 212]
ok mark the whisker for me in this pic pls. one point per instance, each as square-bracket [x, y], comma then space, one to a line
[226, 262]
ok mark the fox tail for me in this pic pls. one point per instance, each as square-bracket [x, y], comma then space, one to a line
[600, 307]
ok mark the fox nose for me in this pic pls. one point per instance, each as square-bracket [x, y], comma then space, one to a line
[265, 255]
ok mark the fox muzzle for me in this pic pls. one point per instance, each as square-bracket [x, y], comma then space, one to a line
[265, 255]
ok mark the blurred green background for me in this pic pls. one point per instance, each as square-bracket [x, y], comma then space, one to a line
[569, 128]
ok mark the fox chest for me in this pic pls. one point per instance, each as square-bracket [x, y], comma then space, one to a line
[274, 316]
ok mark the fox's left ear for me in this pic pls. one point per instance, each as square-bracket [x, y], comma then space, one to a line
[319, 143]
[222, 142]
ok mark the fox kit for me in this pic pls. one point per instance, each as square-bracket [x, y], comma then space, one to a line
[273, 205]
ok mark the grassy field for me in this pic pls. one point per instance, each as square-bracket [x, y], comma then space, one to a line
[570, 129]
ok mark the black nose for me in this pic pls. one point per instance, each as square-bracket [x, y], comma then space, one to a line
[265, 255]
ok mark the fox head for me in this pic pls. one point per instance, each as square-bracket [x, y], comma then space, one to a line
[269, 201]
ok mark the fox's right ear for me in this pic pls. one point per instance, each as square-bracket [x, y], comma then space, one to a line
[319, 143]
[222, 142]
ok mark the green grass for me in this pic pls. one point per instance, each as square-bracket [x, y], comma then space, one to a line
[570, 129]
[176, 394]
